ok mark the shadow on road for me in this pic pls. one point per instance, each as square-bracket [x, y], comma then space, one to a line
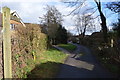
[49, 70]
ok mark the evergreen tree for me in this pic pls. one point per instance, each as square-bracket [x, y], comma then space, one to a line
[61, 36]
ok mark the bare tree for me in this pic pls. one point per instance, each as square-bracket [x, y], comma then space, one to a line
[83, 23]
[80, 3]
[114, 6]
[103, 20]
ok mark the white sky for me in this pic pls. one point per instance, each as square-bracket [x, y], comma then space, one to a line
[31, 10]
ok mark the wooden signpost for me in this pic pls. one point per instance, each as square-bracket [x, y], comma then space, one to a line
[6, 42]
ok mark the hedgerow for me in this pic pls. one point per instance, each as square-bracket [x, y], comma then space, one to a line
[27, 44]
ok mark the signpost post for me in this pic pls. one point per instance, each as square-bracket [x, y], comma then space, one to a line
[6, 42]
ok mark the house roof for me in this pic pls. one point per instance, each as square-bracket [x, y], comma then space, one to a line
[14, 22]
[14, 19]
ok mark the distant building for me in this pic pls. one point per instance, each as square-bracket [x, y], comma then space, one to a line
[14, 20]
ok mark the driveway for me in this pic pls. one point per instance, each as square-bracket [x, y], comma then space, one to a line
[83, 66]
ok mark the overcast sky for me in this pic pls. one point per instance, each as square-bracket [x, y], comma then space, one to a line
[31, 10]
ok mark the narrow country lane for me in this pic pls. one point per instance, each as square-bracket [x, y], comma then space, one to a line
[84, 66]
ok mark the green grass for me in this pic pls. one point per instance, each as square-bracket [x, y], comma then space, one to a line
[68, 46]
[48, 64]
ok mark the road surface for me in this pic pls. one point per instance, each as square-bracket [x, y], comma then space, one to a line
[83, 66]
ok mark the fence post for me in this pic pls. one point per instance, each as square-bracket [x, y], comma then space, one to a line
[6, 42]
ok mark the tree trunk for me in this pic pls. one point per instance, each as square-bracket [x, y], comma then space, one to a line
[103, 24]
[84, 31]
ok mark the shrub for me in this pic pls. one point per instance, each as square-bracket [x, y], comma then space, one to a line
[27, 43]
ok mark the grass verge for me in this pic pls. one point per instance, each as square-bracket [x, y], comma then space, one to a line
[48, 64]
[69, 47]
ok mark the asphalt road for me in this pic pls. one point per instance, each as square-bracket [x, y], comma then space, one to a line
[82, 66]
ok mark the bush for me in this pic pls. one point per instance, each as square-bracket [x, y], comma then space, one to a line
[27, 44]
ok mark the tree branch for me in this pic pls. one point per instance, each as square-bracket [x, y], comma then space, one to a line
[75, 8]
[96, 2]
